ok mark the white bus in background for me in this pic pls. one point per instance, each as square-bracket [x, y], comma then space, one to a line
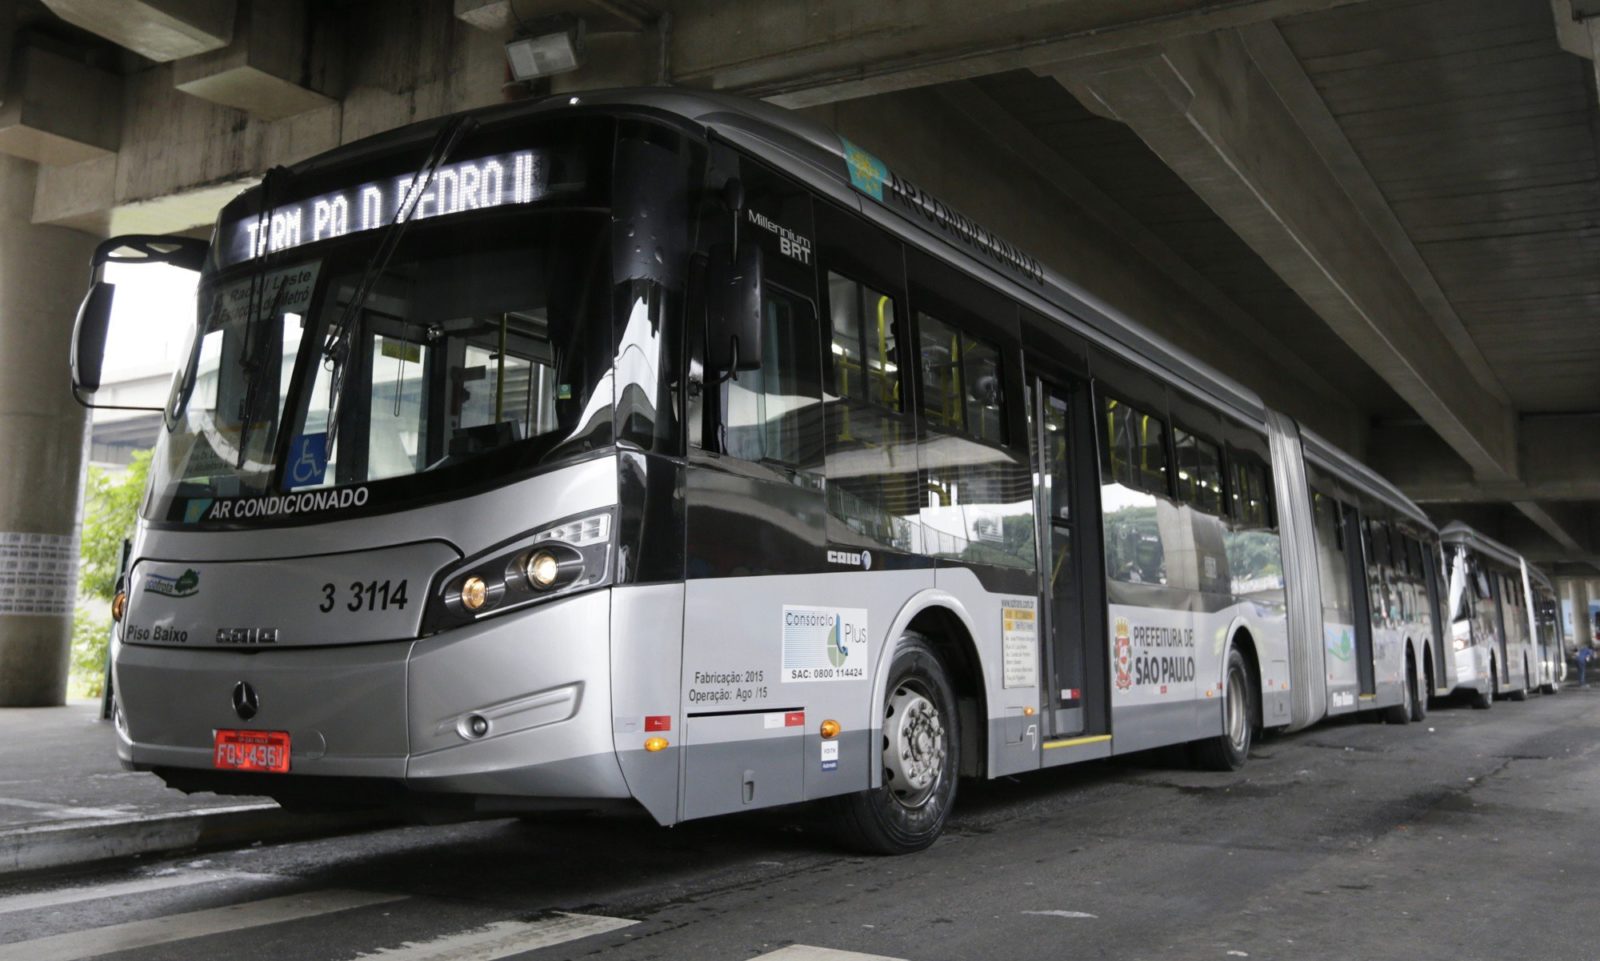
[665, 450]
[1494, 620]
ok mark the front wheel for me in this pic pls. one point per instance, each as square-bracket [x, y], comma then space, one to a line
[1229, 750]
[920, 754]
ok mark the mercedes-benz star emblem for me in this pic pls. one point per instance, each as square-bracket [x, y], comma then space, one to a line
[245, 702]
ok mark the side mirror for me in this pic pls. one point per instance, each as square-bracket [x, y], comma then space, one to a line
[733, 308]
[89, 339]
[94, 314]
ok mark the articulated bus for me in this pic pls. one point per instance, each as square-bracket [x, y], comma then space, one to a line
[654, 449]
[1502, 616]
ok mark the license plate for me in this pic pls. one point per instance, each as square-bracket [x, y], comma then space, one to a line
[251, 751]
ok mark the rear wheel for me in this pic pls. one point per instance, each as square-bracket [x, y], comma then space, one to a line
[1401, 713]
[1420, 694]
[920, 754]
[1229, 750]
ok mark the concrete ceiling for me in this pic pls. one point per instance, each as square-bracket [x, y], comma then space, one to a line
[1392, 204]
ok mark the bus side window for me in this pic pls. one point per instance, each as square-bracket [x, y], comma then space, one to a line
[1135, 451]
[1252, 506]
[865, 350]
[774, 414]
[1199, 471]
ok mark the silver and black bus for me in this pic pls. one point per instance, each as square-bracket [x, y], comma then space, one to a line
[661, 449]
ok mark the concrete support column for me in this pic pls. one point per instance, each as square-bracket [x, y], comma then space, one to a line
[43, 273]
[1582, 623]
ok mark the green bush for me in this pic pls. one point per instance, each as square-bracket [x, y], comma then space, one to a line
[110, 510]
[91, 634]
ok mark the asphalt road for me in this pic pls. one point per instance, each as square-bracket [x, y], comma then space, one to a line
[1470, 836]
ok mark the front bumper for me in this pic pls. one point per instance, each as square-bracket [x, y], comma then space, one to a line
[393, 715]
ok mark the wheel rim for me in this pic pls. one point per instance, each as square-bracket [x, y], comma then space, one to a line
[913, 746]
[1234, 706]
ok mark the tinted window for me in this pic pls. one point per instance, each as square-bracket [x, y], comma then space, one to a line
[1199, 471]
[872, 487]
[1251, 498]
[1135, 447]
[961, 381]
[774, 414]
[866, 362]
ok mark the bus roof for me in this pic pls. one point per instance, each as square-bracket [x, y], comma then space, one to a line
[1458, 533]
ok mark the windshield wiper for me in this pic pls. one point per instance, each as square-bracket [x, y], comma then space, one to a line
[341, 335]
[254, 366]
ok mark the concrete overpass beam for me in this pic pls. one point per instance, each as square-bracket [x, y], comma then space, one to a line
[492, 15]
[160, 30]
[801, 54]
[57, 110]
[272, 69]
[43, 271]
[1560, 523]
[1558, 457]
[1205, 106]
[1578, 30]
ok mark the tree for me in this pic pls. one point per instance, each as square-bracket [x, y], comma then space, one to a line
[110, 510]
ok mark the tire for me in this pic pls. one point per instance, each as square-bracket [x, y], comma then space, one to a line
[921, 756]
[1521, 694]
[1229, 750]
[1420, 695]
[1482, 701]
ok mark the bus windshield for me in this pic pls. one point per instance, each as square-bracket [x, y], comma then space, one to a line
[485, 334]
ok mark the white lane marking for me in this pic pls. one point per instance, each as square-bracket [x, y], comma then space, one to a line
[502, 939]
[1061, 914]
[76, 945]
[120, 889]
[61, 811]
[805, 952]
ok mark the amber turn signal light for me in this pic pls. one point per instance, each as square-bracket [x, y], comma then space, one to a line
[119, 606]
[654, 744]
[830, 729]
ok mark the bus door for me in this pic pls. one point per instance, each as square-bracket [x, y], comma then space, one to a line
[1360, 595]
[1070, 580]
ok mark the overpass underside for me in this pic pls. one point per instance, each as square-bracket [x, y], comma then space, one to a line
[1382, 215]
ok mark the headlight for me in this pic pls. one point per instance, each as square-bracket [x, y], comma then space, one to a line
[474, 593]
[542, 568]
[549, 562]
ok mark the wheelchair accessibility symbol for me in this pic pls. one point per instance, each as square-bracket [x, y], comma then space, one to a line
[308, 461]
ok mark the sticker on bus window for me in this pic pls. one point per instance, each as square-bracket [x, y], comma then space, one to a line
[824, 644]
[1019, 641]
[308, 461]
[402, 350]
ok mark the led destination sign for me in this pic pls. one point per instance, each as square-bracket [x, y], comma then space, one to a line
[513, 178]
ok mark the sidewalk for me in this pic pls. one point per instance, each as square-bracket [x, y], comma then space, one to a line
[65, 799]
